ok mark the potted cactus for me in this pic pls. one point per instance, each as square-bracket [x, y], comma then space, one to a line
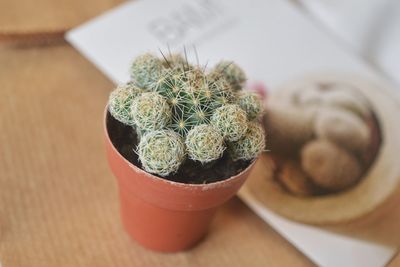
[181, 141]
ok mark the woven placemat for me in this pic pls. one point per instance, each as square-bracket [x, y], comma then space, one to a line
[33, 21]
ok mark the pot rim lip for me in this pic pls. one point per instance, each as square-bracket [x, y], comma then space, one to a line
[166, 181]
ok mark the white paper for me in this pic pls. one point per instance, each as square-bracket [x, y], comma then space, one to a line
[371, 28]
[323, 247]
[271, 40]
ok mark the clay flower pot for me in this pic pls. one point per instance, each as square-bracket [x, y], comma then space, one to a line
[163, 215]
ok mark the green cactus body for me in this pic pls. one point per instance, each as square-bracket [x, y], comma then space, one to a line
[187, 97]
[250, 145]
[196, 101]
[120, 102]
[171, 85]
[233, 74]
[231, 121]
[190, 111]
[146, 70]
[251, 103]
[161, 152]
[204, 143]
[150, 111]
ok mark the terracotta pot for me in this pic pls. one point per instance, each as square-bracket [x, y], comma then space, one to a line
[163, 215]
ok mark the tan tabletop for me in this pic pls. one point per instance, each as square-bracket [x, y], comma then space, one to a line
[27, 19]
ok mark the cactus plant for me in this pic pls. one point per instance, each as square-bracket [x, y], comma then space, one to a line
[178, 109]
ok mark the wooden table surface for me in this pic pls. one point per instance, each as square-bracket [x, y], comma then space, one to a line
[58, 198]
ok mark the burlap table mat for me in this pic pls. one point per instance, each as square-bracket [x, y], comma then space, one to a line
[58, 199]
[33, 20]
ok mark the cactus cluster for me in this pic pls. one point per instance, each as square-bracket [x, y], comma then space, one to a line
[181, 112]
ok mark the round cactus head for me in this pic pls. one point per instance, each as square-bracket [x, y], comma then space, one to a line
[231, 72]
[120, 102]
[231, 121]
[250, 145]
[146, 70]
[161, 152]
[251, 103]
[150, 111]
[204, 143]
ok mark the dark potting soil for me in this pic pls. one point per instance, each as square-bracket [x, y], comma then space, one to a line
[125, 140]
